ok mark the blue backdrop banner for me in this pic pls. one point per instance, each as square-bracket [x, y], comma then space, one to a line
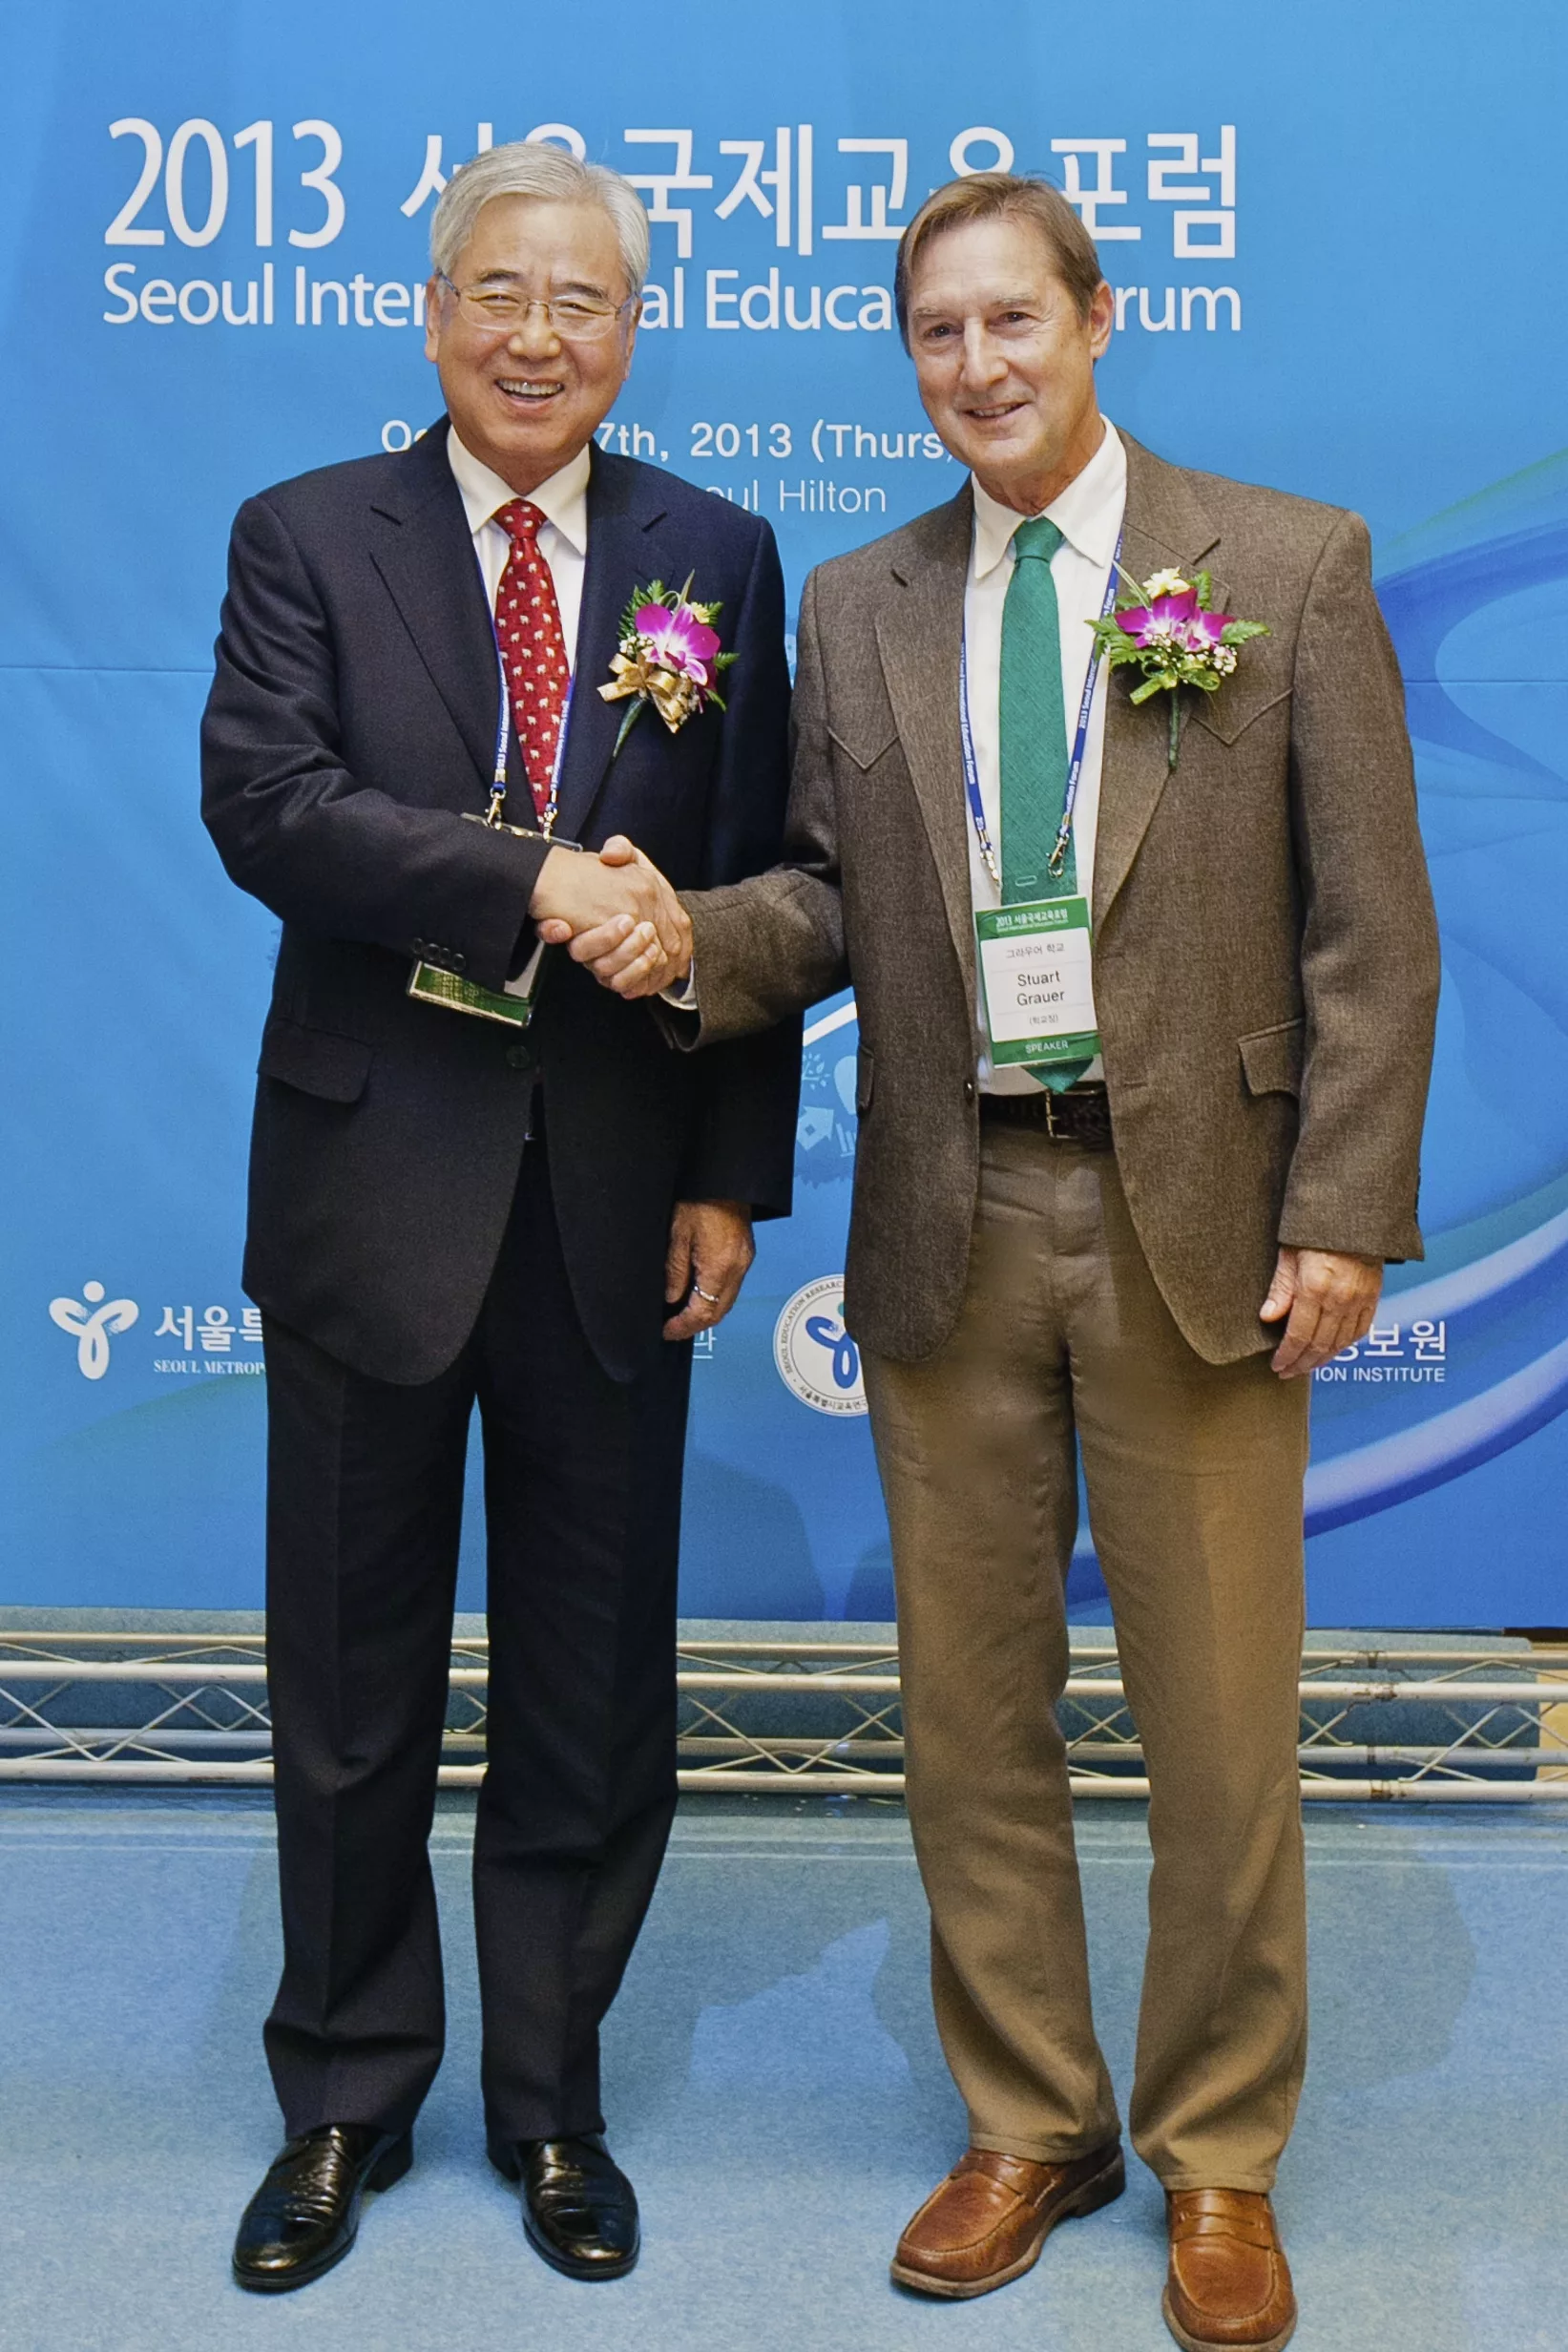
[1333, 239]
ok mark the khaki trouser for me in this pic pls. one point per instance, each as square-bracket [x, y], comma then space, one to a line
[1194, 1474]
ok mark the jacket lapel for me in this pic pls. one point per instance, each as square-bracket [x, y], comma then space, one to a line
[1164, 525]
[422, 547]
[919, 632]
[626, 505]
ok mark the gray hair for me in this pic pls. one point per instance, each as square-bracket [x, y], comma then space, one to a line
[522, 168]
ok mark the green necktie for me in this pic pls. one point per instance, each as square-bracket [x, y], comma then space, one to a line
[1034, 724]
[1033, 742]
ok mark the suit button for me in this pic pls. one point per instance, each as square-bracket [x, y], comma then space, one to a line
[969, 1089]
[520, 1056]
[419, 947]
[460, 963]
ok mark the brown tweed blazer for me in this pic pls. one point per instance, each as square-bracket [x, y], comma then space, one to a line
[1266, 957]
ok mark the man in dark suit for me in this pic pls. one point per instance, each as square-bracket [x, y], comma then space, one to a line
[451, 1206]
[1089, 1253]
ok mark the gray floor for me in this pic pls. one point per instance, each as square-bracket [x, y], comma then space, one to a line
[777, 2094]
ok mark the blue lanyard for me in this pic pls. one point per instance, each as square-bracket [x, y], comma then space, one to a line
[1074, 765]
[494, 814]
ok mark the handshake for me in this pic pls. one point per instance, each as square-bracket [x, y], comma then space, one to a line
[617, 913]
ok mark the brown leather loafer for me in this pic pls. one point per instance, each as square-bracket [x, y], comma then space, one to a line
[988, 2221]
[1229, 2283]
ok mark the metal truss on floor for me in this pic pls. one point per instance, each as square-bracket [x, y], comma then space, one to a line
[1446, 1726]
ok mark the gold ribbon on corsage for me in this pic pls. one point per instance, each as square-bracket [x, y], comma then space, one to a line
[669, 656]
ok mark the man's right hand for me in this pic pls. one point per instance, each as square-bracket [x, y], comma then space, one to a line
[618, 914]
[622, 919]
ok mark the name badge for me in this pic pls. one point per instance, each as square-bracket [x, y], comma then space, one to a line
[1036, 982]
[513, 1004]
[431, 984]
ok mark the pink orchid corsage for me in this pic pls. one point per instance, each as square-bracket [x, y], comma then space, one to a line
[1176, 639]
[668, 657]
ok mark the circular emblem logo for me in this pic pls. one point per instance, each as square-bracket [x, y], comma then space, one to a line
[817, 1359]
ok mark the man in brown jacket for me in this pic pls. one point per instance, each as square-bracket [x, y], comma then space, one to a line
[1089, 1242]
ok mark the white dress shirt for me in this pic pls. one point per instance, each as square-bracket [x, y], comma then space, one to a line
[563, 538]
[1088, 514]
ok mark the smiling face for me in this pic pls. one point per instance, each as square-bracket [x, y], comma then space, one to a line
[1004, 363]
[526, 400]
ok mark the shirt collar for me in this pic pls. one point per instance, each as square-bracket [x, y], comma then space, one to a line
[1088, 513]
[562, 500]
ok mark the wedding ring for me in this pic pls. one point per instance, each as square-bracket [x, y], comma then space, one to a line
[711, 1296]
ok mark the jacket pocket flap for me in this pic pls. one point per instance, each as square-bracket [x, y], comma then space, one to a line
[879, 739]
[317, 1062]
[1271, 1058]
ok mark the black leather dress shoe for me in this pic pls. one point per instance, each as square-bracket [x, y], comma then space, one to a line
[579, 2208]
[304, 2216]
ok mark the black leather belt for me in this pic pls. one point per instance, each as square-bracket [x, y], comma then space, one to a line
[1078, 1114]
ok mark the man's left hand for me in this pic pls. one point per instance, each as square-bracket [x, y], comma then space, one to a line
[1331, 1299]
[709, 1254]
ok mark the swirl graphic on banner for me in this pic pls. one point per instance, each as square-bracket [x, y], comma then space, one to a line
[1473, 599]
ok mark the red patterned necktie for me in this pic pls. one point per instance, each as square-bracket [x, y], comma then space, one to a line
[528, 626]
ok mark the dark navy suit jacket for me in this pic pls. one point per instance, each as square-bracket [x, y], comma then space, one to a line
[351, 722]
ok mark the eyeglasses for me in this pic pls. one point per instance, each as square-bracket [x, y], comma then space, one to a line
[499, 309]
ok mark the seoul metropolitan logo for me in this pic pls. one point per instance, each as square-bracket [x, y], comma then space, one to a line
[91, 1320]
[817, 1359]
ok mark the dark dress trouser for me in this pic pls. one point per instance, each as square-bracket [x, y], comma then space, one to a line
[582, 1491]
